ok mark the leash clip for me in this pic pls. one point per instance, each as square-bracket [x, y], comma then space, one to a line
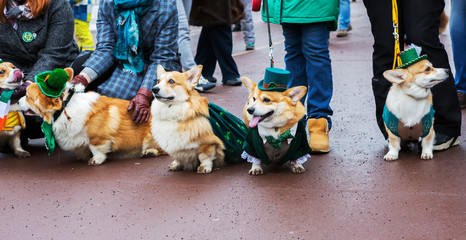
[271, 56]
[395, 31]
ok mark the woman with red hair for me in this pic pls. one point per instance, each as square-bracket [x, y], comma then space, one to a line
[36, 36]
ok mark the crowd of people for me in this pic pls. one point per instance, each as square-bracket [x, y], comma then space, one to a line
[134, 36]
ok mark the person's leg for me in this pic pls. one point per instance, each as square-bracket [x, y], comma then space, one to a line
[344, 17]
[221, 44]
[186, 55]
[458, 42]
[315, 42]
[247, 26]
[294, 58]
[204, 54]
[380, 16]
[421, 25]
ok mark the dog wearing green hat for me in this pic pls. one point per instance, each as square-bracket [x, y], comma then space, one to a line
[274, 114]
[92, 126]
[408, 112]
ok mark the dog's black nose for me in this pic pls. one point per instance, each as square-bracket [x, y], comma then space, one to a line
[250, 110]
[155, 89]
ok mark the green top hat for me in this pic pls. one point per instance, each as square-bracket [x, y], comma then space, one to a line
[275, 79]
[52, 83]
[410, 57]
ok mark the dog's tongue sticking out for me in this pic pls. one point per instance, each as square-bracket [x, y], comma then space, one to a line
[254, 121]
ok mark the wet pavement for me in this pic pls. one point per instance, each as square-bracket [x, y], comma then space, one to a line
[349, 193]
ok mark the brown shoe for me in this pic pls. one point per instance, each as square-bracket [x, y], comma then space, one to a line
[342, 33]
[318, 135]
[461, 99]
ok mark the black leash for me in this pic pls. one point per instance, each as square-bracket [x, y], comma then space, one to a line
[65, 103]
[270, 35]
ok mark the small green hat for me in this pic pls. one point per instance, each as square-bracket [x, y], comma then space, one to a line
[410, 57]
[52, 83]
[275, 79]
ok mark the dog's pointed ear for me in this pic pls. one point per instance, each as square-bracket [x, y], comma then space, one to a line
[395, 76]
[70, 73]
[193, 75]
[251, 85]
[160, 71]
[295, 93]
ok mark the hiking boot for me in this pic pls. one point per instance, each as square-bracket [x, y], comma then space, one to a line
[342, 33]
[204, 85]
[318, 135]
[444, 142]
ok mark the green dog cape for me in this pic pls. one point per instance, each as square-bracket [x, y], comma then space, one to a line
[230, 129]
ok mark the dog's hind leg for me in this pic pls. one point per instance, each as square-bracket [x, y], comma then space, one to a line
[15, 144]
[297, 168]
[150, 147]
[428, 145]
[99, 153]
[206, 157]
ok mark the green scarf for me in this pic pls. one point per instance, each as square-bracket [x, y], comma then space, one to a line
[277, 142]
[49, 138]
[128, 48]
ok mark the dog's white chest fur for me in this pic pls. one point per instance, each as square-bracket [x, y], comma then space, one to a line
[72, 134]
[165, 127]
[406, 108]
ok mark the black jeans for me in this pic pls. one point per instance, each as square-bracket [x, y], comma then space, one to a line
[419, 22]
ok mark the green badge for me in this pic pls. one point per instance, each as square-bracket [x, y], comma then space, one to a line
[28, 37]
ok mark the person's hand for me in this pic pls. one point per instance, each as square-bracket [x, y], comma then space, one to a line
[141, 105]
[79, 79]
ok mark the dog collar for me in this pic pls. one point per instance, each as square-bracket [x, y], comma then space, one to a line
[65, 103]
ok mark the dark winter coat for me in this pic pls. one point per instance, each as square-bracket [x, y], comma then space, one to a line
[208, 13]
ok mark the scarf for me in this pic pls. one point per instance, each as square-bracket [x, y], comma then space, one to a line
[277, 142]
[14, 12]
[128, 48]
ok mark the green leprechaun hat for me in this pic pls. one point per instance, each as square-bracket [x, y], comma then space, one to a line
[52, 83]
[275, 79]
[410, 57]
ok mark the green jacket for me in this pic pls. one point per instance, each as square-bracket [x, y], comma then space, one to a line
[303, 11]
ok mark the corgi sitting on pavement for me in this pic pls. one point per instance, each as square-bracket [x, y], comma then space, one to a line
[276, 131]
[408, 112]
[12, 119]
[88, 124]
[184, 125]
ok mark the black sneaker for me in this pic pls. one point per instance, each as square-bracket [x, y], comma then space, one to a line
[210, 79]
[444, 142]
[204, 85]
[233, 82]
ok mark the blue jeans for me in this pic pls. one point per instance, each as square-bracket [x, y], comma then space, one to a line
[308, 59]
[247, 25]
[344, 17]
[458, 42]
[186, 55]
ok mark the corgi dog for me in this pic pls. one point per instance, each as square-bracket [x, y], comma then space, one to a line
[10, 80]
[270, 115]
[90, 125]
[409, 101]
[180, 123]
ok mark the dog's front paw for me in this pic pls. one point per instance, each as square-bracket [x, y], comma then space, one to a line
[149, 153]
[390, 156]
[427, 155]
[204, 169]
[256, 169]
[22, 153]
[95, 161]
[175, 166]
[297, 168]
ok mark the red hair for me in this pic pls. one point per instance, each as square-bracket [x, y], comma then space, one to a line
[37, 7]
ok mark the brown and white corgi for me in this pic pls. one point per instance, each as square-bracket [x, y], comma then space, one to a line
[10, 80]
[272, 114]
[409, 101]
[91, 125]
[180, 122]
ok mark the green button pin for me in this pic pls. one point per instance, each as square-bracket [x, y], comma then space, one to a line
[28, 37]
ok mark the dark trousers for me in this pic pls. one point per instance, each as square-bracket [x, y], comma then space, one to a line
[419, 22]
[216, 44]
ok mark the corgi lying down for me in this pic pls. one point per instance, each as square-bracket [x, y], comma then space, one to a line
[408, 112]
[91, 125]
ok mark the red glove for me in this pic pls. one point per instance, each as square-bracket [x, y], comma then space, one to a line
[141, 104]
[79, 79]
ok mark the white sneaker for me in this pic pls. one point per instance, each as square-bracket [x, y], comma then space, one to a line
[203, 85]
